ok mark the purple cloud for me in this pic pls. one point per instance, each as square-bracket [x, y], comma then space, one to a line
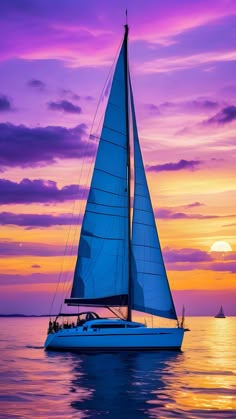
[38, 190]
[194, 205]
[36, 84]
[29, 147]
[212, 266]
[203, 104]
[36, 266]
[186, 255]
[38, 220]
[222, 267]
[225, 116]
[5, 104]
[180, 165]
[194, 259]
[10, 248]
[65, 106]
[70, 94]
[89, 98]
[167, 214]
[153, 109]
[230, 256]
[197, 105]
[34, 278]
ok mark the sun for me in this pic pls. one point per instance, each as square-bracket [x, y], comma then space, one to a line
[221, 246]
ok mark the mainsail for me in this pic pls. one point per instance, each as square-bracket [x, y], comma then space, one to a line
[150, 287]
[101, 273]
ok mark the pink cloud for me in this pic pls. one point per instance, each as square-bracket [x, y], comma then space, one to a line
[180, 62]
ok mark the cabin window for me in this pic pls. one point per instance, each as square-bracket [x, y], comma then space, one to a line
[108, 326]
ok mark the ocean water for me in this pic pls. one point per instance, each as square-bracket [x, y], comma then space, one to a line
[198, 382]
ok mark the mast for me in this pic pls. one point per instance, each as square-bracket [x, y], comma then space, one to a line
[129, 313]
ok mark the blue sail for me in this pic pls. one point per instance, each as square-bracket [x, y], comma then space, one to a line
[101, 273]
[150, 287]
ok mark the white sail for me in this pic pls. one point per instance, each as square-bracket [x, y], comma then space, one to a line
[150, 287]
[102, 266]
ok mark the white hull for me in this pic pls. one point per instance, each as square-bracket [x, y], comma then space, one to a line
[75, 339]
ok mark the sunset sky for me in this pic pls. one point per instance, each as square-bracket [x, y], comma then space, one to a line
[55, 58]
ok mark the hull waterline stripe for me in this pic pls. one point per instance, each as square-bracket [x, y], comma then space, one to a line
[117, 349]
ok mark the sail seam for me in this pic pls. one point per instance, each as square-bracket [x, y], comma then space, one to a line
[109, 192]
[144, 224]
[111, 142]
[140, 209]
[150, 273]
[102, 238]
[113, 104]
[114, 130]
[143, 196]
[109, 174]
[107, 141]
[101, 213]
[149, 261]
[145, 245]
[106, 205]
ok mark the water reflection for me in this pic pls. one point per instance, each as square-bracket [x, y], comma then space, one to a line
[123, 385]
[197, 383]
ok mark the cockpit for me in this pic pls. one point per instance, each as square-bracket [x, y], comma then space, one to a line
[85, 317]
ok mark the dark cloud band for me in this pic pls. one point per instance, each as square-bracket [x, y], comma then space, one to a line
[170, 167]
[42, 191]
[38, 220]
[64, 106]
[30, 147]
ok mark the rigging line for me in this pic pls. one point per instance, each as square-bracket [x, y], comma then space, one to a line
[86, 184]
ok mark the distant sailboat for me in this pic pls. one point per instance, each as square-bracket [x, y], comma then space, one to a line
[182, 322]
[118, 266]
[220, 314]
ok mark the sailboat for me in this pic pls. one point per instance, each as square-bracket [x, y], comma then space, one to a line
[220, 314]
[120, 262]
